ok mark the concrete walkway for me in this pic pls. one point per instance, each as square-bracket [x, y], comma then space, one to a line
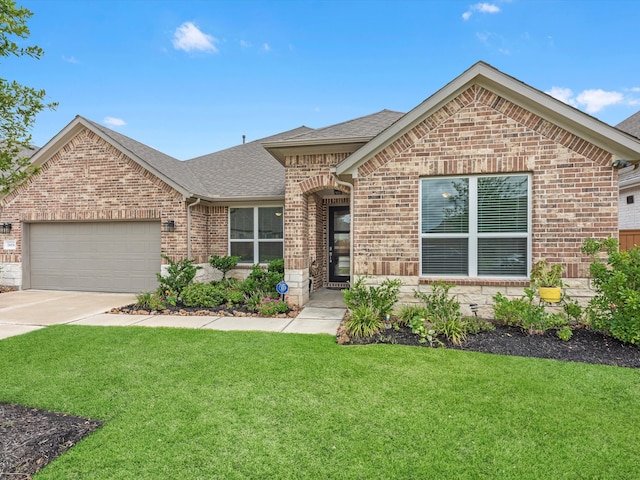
[29, 310]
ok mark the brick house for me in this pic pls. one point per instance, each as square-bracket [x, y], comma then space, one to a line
[472, 186]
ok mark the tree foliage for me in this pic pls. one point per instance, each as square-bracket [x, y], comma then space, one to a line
[19, 104]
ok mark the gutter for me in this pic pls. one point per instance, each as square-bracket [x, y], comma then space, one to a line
[189, 226]
[351, 233]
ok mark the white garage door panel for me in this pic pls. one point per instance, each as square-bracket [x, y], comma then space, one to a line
[99, 257]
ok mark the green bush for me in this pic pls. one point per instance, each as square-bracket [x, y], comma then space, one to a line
[616, 278]
[179, 275]
[381, 299]
[203, 295]
[263, 280]
[224, 264]
[443, 312]
[524, 313]
[364, 321]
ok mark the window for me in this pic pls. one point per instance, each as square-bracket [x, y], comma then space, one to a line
[475, 226]
[256, 234]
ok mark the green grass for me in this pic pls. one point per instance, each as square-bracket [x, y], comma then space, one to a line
[203, 405]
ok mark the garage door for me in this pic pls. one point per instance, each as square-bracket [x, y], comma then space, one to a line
[94, 257]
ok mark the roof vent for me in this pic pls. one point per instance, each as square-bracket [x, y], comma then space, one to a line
[244, 137]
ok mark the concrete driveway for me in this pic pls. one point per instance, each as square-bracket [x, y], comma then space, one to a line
[27, 310]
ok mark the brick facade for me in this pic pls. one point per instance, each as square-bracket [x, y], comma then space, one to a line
[90, 180]
[574, 192]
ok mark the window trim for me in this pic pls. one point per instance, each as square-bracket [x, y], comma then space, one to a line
[473, 235]
[256, 232]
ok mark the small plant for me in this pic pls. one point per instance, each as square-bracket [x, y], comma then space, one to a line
[143, 299]
[545, 275]
[419, 327]
[179, 275]
[364, 321]
[269, 307]
[564, 333]
[381, 299]
[224, 264]
[202, 295]
[444, 312]
[407, 312]
[616, 278]
[157, 302]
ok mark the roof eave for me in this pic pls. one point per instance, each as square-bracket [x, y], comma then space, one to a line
[279, 150]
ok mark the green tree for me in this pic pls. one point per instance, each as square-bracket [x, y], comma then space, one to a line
[19, 104]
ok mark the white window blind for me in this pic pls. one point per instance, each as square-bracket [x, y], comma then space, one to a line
[475, 226]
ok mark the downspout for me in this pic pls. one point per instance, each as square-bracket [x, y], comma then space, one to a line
[351, 252]
[189, 226]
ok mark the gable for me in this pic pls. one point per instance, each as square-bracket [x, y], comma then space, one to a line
[478, 127]
[88, 173]
[515, 99]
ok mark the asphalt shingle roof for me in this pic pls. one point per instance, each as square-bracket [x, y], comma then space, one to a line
[172, 168]
[366, 126]
[631, 125]
[246, 170]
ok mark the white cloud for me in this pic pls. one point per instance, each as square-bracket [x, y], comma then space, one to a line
[480, 8]
[596, 100]
[245, 44]
[189, 38]
[592, 100]
[69, 59]
[563, 94]
[266, 47]
[114, 122]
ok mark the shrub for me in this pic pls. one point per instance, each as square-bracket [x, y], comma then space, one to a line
[381, 299]
[364, 321]
[616, 278]
[524, 313]
[179, 275]
[443, 311]
[143, 299]
[224, 264]
[272, 306]
[263, 280]
[202, 295]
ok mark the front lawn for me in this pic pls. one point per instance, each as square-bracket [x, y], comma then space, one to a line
[206, 404]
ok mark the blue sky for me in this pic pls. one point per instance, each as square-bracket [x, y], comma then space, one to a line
[191, 77]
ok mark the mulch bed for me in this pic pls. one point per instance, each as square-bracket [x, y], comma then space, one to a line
[221, 310]
[31, 438]
[585, 345]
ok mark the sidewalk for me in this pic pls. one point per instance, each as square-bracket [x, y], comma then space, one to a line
[323, 314]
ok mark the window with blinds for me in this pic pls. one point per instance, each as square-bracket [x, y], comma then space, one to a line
[475, 226]
[256, 234]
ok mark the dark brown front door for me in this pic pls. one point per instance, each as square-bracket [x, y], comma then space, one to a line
[339, 244]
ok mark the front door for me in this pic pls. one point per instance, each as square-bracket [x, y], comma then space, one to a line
[339, 244]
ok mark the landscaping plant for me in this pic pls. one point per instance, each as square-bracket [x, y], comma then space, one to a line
[179, 275]
[224, 264]
[524, 313]
[443, 312]
[616, 278]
